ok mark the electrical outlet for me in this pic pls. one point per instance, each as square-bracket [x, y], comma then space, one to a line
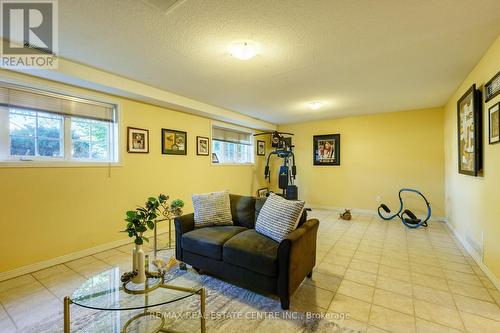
[378, 199]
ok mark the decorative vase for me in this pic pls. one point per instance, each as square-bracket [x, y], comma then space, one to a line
[138, 264]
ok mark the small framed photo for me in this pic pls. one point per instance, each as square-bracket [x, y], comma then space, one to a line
[492, 87]
[173, 142]
[137, 140]
[326, 149]
[262, 192]
[261, 148]
[494, 123]
[215, 159]
[202, 145]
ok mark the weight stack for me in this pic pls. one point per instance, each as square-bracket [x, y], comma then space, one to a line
[292, 192]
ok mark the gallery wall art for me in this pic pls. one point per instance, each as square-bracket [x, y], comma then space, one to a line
[326, 149]
[492, 88]
[137, 140]
[173, 142]
[202, 146]
[261, 148]
[469, 130]
[494, 124]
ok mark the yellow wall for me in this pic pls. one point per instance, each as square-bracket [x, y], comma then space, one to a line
[472, 203]
[379, 154]
[49, 212]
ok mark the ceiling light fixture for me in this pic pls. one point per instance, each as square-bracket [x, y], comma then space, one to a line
[314, 105]
[243, 50]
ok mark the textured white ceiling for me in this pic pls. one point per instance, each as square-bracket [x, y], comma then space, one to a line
[358, 56]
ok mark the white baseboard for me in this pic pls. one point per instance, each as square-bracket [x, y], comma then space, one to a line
[473, 253]
[364, 211]
[67, 257]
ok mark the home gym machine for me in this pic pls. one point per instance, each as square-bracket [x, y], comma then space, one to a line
[287, 171]
[408, 218]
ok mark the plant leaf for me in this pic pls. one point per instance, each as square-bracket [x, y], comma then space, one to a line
[151, 224]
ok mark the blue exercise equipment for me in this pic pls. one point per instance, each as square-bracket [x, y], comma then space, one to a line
[407, 217]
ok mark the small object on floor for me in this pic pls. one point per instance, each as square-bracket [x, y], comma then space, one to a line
[346, 215]
[408, 218]
[127, 276]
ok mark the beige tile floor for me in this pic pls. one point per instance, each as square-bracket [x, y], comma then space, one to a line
[389, 278]
[383, 276]
[41, 294]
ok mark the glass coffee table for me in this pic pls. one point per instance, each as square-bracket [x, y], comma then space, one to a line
[106, 292]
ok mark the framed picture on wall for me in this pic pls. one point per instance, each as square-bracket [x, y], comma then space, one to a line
[494, 123]
[202, 145]
[137, 140]
[326, 149]
[469, 132]
[492, 87]
[262, 192]
[173, 142]
[261, 148]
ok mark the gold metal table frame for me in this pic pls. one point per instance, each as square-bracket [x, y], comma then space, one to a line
[145, 292]
[155, 236]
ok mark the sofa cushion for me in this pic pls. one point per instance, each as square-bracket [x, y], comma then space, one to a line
[252, 251]
[243, 210]
[212, 208]
[208, 241]
[259, 202]
[279, 217]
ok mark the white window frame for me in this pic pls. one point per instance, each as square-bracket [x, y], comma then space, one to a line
[109, 139]
[9, 161]
[10, 157]
[234, 128]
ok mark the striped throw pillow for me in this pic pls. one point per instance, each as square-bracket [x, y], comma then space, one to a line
[278, 217]
[212, 209]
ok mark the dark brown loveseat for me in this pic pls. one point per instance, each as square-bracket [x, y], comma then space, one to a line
[239, 254]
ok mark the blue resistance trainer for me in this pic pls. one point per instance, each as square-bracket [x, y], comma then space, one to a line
[407, 217]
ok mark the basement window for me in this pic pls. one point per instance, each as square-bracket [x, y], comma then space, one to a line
[231, 146]
[40, 127]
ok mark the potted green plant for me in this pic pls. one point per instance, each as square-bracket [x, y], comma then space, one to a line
[140, 220]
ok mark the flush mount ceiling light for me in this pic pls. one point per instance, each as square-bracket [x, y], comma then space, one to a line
[243, 50]
[314, 105]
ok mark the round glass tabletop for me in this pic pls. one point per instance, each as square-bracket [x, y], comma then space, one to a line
[105, 291]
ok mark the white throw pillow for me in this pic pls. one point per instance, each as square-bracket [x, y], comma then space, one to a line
[212, 209]
[278, 217]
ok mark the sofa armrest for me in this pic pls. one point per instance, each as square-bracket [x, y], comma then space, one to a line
[296, 257]
[183, 224]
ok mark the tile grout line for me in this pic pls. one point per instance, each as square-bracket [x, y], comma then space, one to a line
[336, 291]
[467, 256]
[9, 316]
[453, 298]
[376, 279]
[385, 237]
[342, 276]
[50, 291]
[411, 282]
[412, 298]
[362, 237]
[86, 278]
[428, 240]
